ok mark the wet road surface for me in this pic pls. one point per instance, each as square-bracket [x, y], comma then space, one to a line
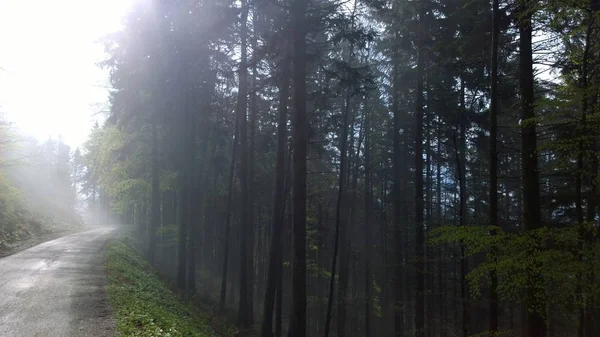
[57, 289]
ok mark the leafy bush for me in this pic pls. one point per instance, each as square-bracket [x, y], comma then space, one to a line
[11, 205]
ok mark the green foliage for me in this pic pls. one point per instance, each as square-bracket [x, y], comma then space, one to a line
[314, 269]
[168, 180]
[376, 300]
[11, 204]
[144, 305]
[116, 172]
[548, 261]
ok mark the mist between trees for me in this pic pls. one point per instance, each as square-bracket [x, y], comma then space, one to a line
[39, 185]
[362, 168]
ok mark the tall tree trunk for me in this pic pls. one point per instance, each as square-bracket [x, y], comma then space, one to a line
[300, 138]
[420, 238]
[193, 223]
[368, 221]
[184, 192]
[343, 300]
[155, 196]
[529, 163]
[279, 296]
[341, 230]
[196, 204]
[278, 204]
[493, 174]
[244, 318]
[346, 254]
[182, 199]
[251, 172]
[461, 167]
[429, 283]
[585, 320]
[440, 250]
[340, 226]
[228, 210]
[399, 271]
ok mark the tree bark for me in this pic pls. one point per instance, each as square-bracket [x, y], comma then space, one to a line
[244, 317]
[300, 138]
[278, 203]
[183, 194]
[493, 174]
[155, 197]
[420, 238]
[399, 271]
[368, 222]
[461, 167]
[228, 210]
[529, 163]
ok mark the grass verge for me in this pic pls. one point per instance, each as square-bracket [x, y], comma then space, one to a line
[144, 305]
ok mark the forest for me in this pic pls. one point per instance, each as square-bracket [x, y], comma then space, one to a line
[39, 187]
[361, 167]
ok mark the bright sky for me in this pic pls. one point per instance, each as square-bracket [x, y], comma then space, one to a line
[50, 84]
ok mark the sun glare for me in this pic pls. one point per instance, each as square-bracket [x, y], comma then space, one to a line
[49, 82]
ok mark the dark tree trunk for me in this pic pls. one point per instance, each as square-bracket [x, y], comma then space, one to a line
[251, 175]
[193, 223]
[399, 271]
[278, 204]
[228, 210]
[461, 157]
[341, 233]
[586, 326]
[429, 283]
[183, 194]
[529, 162]
[368, 221]
[493, 174]
[279, 298]
[300, 139]
[440, 250]
[155, 195]
[182, 238]
[244, 316]
[420, 238]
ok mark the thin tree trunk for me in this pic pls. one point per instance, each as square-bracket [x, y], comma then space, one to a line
[530, 175]
[368, 222]
[420, 239]
[251, 174]
[155, 197]
[279, 297]
[341, 232]
[440, 250]
[183, 195]
[244, 318]
[278, 204]
[493, 174]
[300, 139]
[429, 284]
[586, 321]
[462, 209]
[228, 210]
[399, 271]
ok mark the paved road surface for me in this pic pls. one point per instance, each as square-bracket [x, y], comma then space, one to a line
[57, 289]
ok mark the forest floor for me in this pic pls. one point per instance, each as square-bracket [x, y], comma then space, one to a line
[145, 305]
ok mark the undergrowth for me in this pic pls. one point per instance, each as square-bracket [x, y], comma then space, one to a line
[144, 305]
[21, 221]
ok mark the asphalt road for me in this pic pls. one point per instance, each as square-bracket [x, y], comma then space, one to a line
[57, 289]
